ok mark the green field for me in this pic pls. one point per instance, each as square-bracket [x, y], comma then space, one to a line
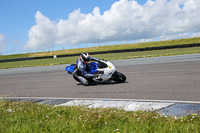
[116, 56]
[24, 117]
[107, 48]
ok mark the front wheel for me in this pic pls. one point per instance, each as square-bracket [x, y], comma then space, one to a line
[119, 77]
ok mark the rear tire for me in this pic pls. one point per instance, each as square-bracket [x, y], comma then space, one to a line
[119, 77]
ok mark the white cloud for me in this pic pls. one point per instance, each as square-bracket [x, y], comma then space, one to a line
[125, 20]
[43, 34]
[3, 43]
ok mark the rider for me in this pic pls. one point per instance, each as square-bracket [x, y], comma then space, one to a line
[81, 68]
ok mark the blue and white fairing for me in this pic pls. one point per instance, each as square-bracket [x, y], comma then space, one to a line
[107, 69]
[102, 69]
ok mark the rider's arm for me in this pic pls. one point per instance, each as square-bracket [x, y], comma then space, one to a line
[85, 74]
[81, 67]
[94, 59]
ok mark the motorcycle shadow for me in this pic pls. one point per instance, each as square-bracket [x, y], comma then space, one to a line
[105, 83]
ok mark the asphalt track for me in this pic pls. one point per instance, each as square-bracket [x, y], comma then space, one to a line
[160, 78]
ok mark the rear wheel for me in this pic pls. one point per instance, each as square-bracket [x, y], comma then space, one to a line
[119, 77]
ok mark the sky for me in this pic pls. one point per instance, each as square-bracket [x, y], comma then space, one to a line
[43, 25]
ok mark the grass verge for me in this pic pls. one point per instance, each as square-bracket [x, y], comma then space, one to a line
[22, 117]
[116, 56]
[119, 47]
[107, 48]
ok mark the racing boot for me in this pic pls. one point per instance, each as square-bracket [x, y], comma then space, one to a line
[83, 80]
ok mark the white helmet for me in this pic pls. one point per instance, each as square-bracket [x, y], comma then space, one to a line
[85, 57]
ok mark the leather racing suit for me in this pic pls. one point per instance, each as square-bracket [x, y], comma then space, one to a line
[81, 70]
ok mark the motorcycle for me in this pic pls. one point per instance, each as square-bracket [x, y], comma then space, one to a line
[104, 71]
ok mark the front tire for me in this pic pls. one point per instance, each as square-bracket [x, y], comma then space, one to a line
[119, 77]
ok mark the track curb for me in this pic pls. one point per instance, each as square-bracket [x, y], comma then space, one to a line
[165, 107]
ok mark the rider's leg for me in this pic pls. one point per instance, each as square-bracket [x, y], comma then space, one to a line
[83, 80]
